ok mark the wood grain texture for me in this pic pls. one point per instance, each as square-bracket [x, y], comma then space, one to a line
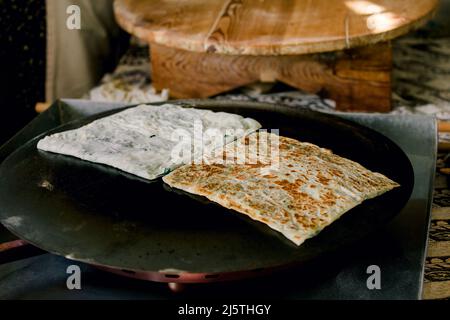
[258, 27]
[357, 80]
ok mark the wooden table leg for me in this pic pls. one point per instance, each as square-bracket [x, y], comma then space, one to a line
[359, 79]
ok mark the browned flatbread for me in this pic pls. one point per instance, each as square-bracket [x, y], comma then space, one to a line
[297, 189]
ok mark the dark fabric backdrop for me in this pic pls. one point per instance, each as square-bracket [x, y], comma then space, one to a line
[22, 62]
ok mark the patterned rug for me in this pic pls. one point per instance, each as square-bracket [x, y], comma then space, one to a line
[421, 85]
[437, 267]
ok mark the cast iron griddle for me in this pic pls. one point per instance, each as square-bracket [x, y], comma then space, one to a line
[100, 215]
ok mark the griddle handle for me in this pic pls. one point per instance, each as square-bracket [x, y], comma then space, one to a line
[17, 250]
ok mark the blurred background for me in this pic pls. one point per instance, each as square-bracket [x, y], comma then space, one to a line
[41, 61]
[37, 46]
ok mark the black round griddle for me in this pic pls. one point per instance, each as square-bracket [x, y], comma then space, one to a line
[99, 215]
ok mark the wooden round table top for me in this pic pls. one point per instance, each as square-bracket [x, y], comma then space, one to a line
[271, 27]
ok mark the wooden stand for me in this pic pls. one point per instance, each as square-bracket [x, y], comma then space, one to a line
[203, 48]
[358, 79]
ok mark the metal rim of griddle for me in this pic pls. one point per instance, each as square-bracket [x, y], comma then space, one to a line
[198, 277]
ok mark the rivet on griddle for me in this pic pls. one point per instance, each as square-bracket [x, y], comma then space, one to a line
[176, 287]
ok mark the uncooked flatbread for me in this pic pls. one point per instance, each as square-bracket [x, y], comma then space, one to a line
[141, 140]
[296, 188]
